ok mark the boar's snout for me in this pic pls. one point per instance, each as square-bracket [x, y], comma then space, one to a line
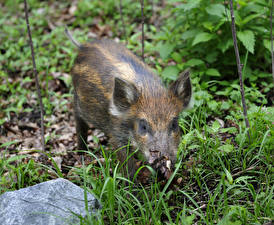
[153, 155]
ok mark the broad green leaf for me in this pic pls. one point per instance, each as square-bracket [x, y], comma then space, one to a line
[190, 34]
[165, 49]
[177, 57]
[224, 45]
[253, 7]
[227, 219]
[215, 126]
[170, 72]
[227, 148]
[248, 39]
[194, 62]
[230, 130]
[267, 45]
[216, 10]
[189, 5]
[212, 105]
[189, 219]
[208, 25]
[202, 37]
[213, 72]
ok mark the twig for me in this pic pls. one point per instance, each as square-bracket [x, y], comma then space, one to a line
[123, 22]
[201, 207]
[143, 33]
[239, 65]
[272, 57]
[243, 171]
[36, 78]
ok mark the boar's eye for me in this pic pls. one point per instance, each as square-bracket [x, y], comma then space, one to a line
[174, 126]
[143, 127]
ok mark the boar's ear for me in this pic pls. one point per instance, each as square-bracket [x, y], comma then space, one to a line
[181, 88]
[124, 95]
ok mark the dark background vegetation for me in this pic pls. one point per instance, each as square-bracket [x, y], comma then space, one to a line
[222, 178]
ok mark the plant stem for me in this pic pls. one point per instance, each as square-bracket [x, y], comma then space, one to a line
[143, 22]
[123, 22]
[36, 78]
[239, 65]
[271, 36]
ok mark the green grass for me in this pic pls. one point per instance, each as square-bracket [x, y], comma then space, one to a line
[221, 176]
[225, 184]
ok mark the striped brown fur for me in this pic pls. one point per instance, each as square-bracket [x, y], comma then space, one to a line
[118, 94]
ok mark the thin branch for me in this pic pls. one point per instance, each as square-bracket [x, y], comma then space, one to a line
[199, 208]
[271, 35]
[36, 78]
[123, 22]
[239, 65]
[143, 33]
[243, 171]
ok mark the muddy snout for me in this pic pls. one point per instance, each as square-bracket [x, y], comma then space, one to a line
[161, 163]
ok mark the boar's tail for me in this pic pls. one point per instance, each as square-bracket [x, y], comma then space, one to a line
[71, 38]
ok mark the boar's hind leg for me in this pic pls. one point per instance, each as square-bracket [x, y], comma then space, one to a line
[81, 127]
[82, 133]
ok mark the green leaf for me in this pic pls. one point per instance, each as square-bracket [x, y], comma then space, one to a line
[216, 10]
[213, 72]
[165, 49]
[212, 105]
[251, 17]
[202, 37]
[189, 5]
[224, 45]
[248, 39]
[6, 144]
[230, 130]
[215, 126]
[238, 19]
[190, 34]
[170, 72]
[229, 176]
[194, 62]
[208, 25]
[267, 45]
[227, 148]
[189, 219]
[177, 57]
[212, 56]
[253, 7]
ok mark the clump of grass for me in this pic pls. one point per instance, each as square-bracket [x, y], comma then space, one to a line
[224, 181]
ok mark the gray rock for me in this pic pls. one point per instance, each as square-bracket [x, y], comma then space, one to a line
[53, 202]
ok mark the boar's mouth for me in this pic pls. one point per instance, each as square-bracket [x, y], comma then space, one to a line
[162, 165]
